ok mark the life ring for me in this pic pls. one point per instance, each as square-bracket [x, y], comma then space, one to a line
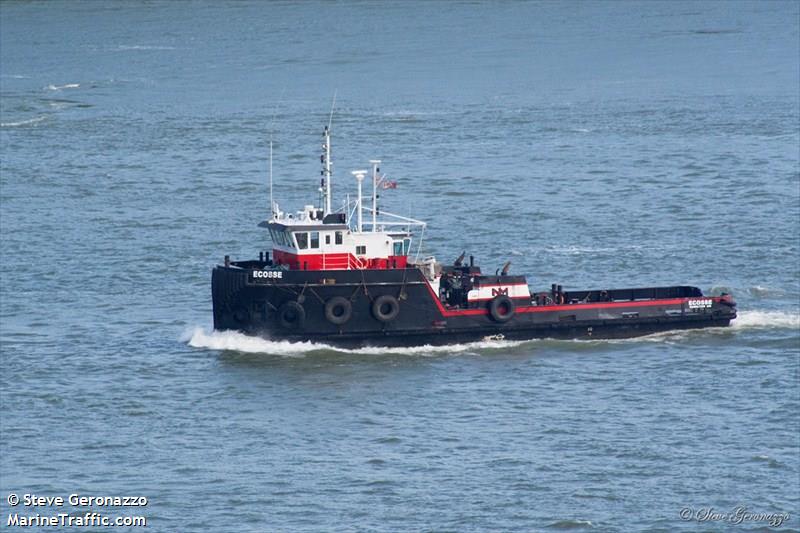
[385, 308]
[338, 310]
[502, 308]
[291, 315]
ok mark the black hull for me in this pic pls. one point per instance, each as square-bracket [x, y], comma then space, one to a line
[262, 306]
[609, 330]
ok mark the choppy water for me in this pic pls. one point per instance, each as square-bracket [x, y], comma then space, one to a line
[593, 144]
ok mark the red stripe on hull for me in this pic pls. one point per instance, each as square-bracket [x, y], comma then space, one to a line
[526, 298]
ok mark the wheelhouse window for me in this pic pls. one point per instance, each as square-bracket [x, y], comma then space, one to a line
[327, 238]
[338, 237]
[406, 246]
[361, 250]
[398, 248]
[280, 238]
[302, 240]
[314, 239]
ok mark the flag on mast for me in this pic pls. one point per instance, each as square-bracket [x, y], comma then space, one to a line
[387, 184]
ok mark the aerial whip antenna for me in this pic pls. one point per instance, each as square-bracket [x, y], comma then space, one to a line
[271, 134]
[333, 104]
[271, 201]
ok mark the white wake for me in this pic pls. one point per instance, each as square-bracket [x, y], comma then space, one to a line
[748, 319]
[199, 337]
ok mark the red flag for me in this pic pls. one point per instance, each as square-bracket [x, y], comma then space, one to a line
[389, 184]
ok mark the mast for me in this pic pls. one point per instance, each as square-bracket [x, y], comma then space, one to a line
[326, 167]
[326, 158]
[375, 169]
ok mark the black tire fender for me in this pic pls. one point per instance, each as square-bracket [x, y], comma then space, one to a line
[385, 308]
[338, 310]
[291, 315]
[502, 308]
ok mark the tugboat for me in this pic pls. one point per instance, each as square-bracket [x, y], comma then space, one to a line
[345, 282]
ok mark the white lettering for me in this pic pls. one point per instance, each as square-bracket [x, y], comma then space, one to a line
[700, 304]
[32, 500]
[107, 501]
[268, 274]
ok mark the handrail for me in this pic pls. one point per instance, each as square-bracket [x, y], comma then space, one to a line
[355, 263]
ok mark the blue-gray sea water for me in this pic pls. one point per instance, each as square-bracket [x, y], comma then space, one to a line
[593, 144]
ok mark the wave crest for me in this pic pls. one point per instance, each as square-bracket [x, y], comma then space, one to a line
[28, 122]
[65, 86]
[758, 291]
